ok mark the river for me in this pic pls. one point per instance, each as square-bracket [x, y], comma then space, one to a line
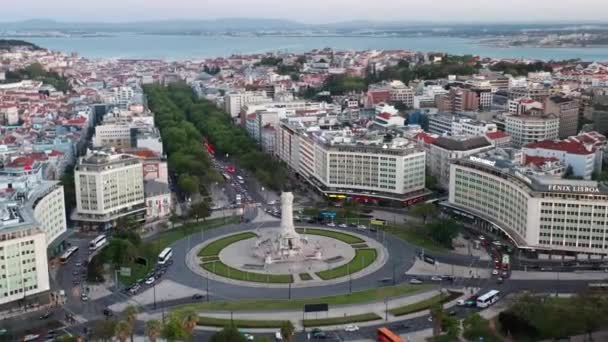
[180, 47]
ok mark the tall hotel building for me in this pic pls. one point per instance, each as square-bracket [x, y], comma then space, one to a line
[530, 204]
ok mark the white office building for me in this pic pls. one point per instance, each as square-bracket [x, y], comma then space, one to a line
[108, 187]
[525, 129]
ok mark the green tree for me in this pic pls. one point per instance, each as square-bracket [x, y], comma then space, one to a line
[228, 334]
[437, 316]
[123, 330]
[201, 210]
[189, 320]
[424, 210]
[476, 327]
[104, 330]
[287, 330]
[131, 312]
[443, 232]
[153, 329]
[66, 338]
[173, 330]
[188, 184]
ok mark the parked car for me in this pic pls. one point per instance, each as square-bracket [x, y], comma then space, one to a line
[351, 328]
[150, 281]
[318, 333]
[494, 272]
[198, 296]
[46, 315]
[84, 297]
[436, 278]
[415, 281]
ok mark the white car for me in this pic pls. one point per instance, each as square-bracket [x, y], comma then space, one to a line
[343, 225]
[415, 281]
[84, 297]
[494, 272]
[31, 337]
[351, 328]
[361, 227]
[150, 281]
[331, 224]
[249, 337]
[436, 278]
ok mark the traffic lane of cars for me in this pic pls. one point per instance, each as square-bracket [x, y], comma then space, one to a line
[149, 280]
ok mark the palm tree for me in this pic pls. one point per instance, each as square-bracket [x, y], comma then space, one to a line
[437, 316]
[153, 329]
[123, 330]
[131, 315]
[287, 331]
[190, 319]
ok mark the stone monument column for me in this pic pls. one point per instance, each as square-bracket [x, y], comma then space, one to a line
[287, 213]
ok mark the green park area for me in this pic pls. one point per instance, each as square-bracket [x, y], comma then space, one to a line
[346, 238]
[340, 320]
[363, 258]
[214, 248]
[126, 249]
[221, 269]
[359, 297]
[425, 304]
[241, 323]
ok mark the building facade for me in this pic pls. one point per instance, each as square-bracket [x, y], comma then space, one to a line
[537, 213]
[525, 129]
[108, 187]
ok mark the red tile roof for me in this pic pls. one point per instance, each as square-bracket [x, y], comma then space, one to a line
[385, 116]
[572, 147]
[538, 161]
[427, 139]
[496, 135]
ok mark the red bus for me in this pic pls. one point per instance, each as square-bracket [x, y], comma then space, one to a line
[209, 147]
[385, 335]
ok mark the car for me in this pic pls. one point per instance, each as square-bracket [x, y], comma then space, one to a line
[107, 312]
[362, 227]
[46, 315]
[318, 333]
[3, 331]
[351, 328]
[494, 272]
[430, 319]
[436, 278]
[331, 224]
[248, 337]
[353, 225]
[460, 302]
[481, 237]
[76, 281]
[452, 313]
[197, 296]
[385, 280]
[272, 202]
[504, 274]
[78, 264]
[373, 229]
[150, 281]
[499, 280]
[30, 337]
[75, 272]
[84, 297]
[343, 225]
[497, 244]
[415, 281]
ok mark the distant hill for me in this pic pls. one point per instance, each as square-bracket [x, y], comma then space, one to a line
[7, 44]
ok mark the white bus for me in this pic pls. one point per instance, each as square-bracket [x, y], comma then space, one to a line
[67, 254]
[488, 299]
[97, 242]
[165, 255]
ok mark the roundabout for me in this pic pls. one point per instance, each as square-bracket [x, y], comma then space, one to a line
[231, 258]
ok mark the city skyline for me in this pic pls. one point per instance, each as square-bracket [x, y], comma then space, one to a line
[310, 12]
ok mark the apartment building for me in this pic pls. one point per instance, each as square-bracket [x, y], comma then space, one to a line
[567, 110]
[235, 101]
[361, 166]
[445, 149]
[443, 124]
[458, 100]
[108, 187]
[535, 92]
[583, 159]
[525, 129]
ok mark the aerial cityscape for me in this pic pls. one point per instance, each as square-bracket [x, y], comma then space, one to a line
[278, 172]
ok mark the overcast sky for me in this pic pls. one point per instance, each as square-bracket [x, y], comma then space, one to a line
[309, 11]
